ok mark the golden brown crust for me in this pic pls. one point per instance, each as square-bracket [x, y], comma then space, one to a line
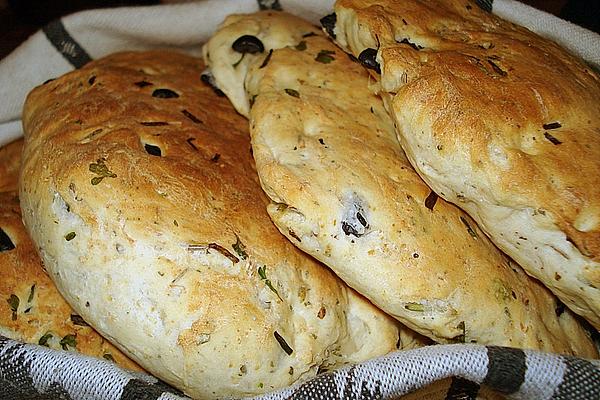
[500, 121]
[139, 187]
[10, 160]
[31, 308]
[343, 191]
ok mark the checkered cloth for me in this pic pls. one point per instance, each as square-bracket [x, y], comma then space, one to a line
[436, 372]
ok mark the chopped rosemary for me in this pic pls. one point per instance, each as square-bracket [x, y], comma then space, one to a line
[286, 347]
[325, 56]
[13, 301]
[68, 341]
[262, 272]
[31, 293]
[239, 248]
[44, 339]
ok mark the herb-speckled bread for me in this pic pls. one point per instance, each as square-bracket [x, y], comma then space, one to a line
[31, 309]
[343, 191]
[498, 120]
[139, 189]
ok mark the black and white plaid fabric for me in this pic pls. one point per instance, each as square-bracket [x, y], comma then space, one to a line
[29, 372]
[35, 372]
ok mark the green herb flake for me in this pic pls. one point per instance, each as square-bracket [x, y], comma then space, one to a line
[292, 92]
[301, 46]
[44, 339]
[239, 248]
[469, 229]
[68, 341]
[260, 385]
[70, 236]
[99, 168]
[286, 347]
[262, 272]
[414, 307]
[31, 293]
[13, 301]
[109, 357]
[325, 56]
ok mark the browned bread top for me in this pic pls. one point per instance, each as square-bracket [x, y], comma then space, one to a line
[138, 186]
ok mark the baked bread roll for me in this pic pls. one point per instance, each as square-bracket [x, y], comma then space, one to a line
[139, 189]
[342, 190]
[31, 309]
[10, 160]
[498, 120]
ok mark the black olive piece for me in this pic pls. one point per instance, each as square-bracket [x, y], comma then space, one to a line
[361, 219]
[368, 59]
[248, 44]
[328, 22]
[153, 150]
[552, 139]
[92, 80]
[431, 200]
[349, 229]
[208, 79]
[5, 243]
[286, 347]
[164, 94]
[552, 125]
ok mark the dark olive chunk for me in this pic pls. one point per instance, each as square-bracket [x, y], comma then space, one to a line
[552, 139]
[368, 58]
[153, 150]
[354, 221]
[431, 200]
[248, 44]
[5, 243]
[164, 94]
[328, 22]
[552, 125]
[286, 347]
